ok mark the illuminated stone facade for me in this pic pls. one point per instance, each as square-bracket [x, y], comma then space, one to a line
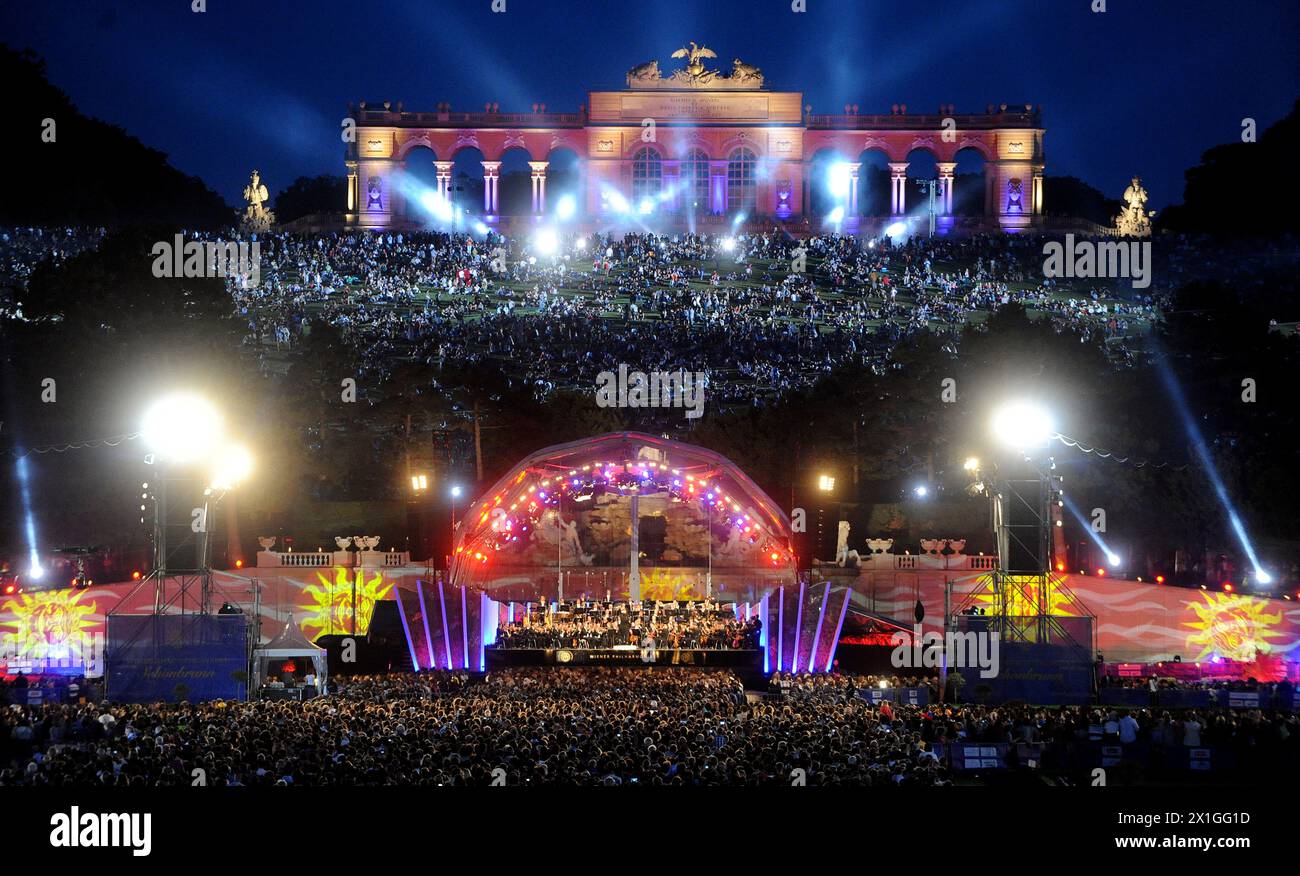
[697, 146]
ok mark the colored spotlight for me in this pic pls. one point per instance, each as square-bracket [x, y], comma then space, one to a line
[566, 207]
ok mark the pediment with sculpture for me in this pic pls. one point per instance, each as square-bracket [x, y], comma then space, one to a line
[695, 74]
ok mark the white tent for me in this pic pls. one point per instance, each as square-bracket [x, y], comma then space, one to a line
[289, 643]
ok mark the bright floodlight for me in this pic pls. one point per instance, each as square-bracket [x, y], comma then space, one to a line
[546, 241]
[728, 243]
[480, 228]
[36, 572]
[1020, 425]
[836, 215]
[826, 483]
[617, 202]
[1113, 559]
[1263, 577]
[839, 181]
[455, 492]
[438, 205]
[234, 464]
[566, 207]
[971, 464]
[897, 229]
[582, 243]
[921, 491]
[182, 428]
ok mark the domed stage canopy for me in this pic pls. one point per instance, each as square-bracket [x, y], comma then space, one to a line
[624, 516]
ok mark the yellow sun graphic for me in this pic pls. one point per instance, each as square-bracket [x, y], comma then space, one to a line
[1232, 627]
[50, 625]
[1022, 597]
[667, 585]
[330, 611]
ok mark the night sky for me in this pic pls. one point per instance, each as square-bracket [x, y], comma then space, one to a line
[1144, 87]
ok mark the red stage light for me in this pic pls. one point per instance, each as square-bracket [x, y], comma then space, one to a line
[1160, 579]
[1060, 567]
[135, 576]
[1101, 573]
[9, 589]
[239, 564]
[1227, 587]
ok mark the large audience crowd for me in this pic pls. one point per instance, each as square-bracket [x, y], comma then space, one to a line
[601, 726]
[730, 308]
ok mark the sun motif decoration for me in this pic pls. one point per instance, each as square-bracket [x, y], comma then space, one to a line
[1233, 627]
[1022, 597]
[331, 608]
[50, 625]
[668, 585]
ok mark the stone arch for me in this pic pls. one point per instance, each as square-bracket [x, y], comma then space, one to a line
[922, 164]
[416, 141]
[822, 194]
[467, 177]
[565, 177]
[515, 195]
[417, 180]
[873, 180]
[970, 182]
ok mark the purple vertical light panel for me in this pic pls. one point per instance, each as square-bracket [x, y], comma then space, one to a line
[835, 643]
[446, 633]
[424, 617]
[410, 645]
[780, 629]
[817, 636]
[464, 632]
[798, 626]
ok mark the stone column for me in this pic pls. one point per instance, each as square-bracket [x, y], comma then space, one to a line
[854, 169]
[491, 175]
[946, 169]
[1038, 191]
[353, 186]
[718, 187]
[444, 178]
[672, 170]
[539, 186]
[897, 187]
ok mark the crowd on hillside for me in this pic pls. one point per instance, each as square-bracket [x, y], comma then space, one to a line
[24, 250]
[731, 308]
[602, 726]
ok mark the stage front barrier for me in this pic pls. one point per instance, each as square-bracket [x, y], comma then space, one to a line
[153, 658]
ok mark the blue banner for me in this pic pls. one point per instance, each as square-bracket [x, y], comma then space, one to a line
[170, 658]
[1033, 673]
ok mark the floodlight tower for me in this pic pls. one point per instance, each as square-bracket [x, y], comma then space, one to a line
[184, 432]
[1022, 518]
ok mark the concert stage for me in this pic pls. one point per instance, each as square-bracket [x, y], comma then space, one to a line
[741, 660]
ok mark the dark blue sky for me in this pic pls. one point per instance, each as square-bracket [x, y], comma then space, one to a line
[1144, 87]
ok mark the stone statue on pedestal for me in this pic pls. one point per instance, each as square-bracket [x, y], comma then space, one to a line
[1134, 220]
[256, 217]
